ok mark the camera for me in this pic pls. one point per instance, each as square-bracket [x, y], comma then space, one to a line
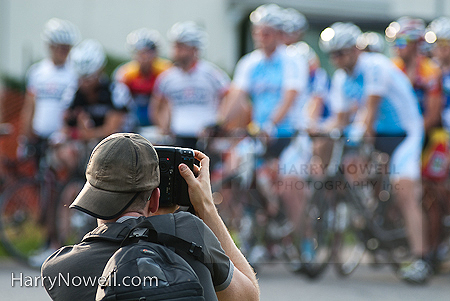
[174, 189]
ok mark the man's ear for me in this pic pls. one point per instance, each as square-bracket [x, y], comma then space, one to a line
[153, 202]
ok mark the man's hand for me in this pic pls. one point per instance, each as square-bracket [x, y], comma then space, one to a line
[199, 184]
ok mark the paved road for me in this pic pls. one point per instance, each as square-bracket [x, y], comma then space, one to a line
[278, 284]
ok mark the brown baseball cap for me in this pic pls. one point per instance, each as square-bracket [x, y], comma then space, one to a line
[120, 167]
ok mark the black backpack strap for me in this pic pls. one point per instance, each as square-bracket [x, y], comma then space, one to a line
[146, 231]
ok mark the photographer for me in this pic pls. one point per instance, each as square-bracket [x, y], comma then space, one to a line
[121, 190]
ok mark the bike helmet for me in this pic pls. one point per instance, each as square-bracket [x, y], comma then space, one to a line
[188, 33]
[294, 21]
[339, 36]
[268, 14]
[143, 38]
[412, 29]
[88, 57]
[439, 29]
[371, 41]
[57, 31]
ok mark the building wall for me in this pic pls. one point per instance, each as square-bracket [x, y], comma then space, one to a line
[109, 21]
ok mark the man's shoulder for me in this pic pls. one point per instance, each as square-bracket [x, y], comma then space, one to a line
[160, 65]
[42, 66]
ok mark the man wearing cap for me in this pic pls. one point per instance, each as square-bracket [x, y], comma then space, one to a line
[120, 191]
[193, 87]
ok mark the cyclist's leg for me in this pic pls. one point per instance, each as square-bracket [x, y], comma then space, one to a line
[293, 170]
[406, 184]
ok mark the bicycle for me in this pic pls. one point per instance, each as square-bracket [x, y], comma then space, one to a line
[29, 212]
[264, 231]
[346, 221]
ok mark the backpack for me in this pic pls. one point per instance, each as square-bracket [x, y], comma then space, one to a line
[146, 268]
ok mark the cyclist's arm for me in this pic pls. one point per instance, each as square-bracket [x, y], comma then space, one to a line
[160, 112]
[27, 114]
[283, 109]
[433, 111]
[112, 124]
[235, 109]
[371, 111]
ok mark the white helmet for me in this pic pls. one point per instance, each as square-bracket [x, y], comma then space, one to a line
[57, 31]
[143, 38]
[88, 57]
[440, 27]
[339, 36]
[371, 41]
[268, 14]
[188, 33]
[294, 21]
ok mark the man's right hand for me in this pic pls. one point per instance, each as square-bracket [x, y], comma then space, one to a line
[199, 184]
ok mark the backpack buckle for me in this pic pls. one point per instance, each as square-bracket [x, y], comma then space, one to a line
[139, 232]
[195, 249]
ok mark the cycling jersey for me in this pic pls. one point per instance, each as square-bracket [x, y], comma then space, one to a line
[427, 79]
[446, 91]
[111, 97]
[141, 86]
[398, 113]
[47, 83]
[194, 96]
[375, 74]
[266, 80]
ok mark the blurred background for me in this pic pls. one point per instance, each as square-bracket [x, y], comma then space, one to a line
[226, 21]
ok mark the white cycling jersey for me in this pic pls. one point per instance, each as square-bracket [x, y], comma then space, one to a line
[194, 96]
[375, 74]
[48, 83]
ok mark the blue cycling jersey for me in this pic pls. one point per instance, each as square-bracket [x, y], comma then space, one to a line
[266, 80]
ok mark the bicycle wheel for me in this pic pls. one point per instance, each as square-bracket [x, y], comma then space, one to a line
[71, 224]
[348, 248]
[318, 233]
[21, 231]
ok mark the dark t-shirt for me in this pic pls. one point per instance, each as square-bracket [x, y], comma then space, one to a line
[87, 259]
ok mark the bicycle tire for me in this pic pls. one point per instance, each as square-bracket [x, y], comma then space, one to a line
[22, 232]
[319, 216]
[348, 247]
[72, 224]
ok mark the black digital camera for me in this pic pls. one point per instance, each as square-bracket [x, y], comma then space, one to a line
[174, 189]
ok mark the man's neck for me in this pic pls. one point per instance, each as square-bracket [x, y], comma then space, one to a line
[187, 66]
[132, 214]
[269, 51]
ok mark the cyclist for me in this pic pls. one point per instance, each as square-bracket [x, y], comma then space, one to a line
[272, 80]
[43, 109]
[441, 53]
[424, 74]
[435, 158]
[140, 73]
[192, 87]
[388, 112]
[98, 107]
